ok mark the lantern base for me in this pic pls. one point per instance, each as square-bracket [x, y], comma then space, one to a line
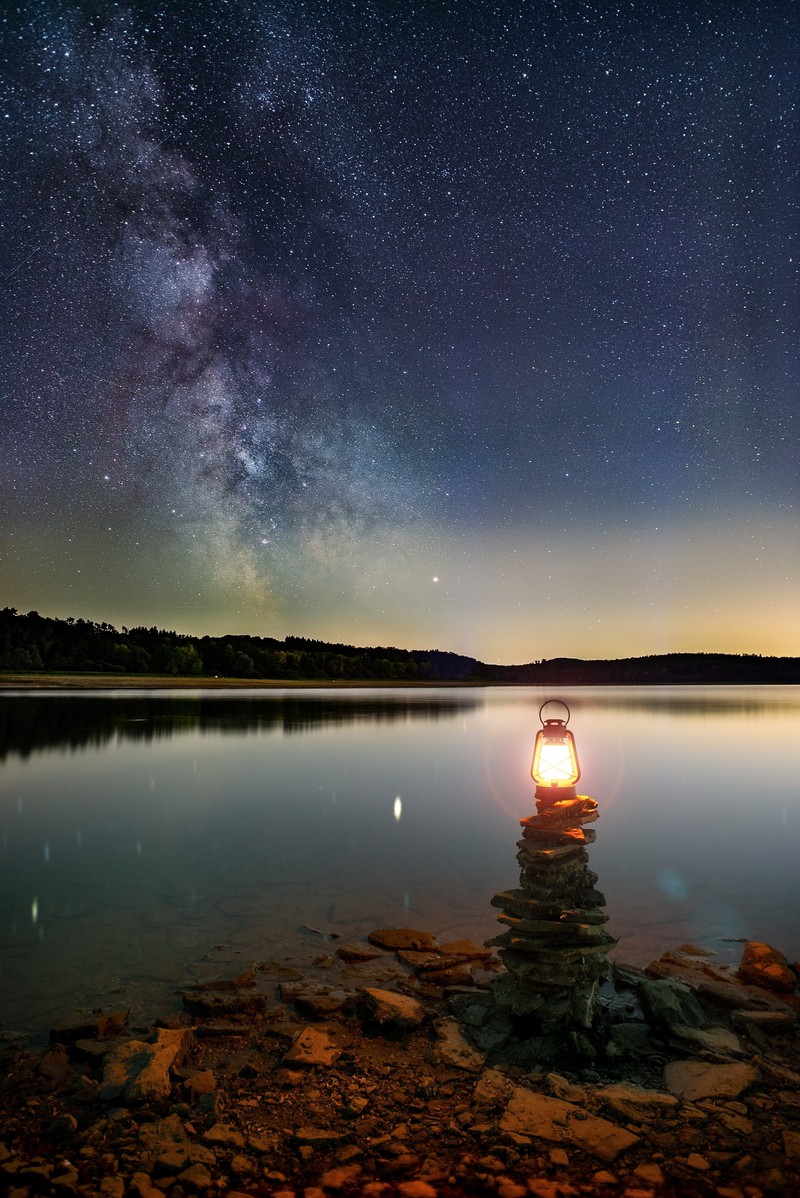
[548, 796]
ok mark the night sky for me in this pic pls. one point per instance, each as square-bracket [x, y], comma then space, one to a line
[460, 325]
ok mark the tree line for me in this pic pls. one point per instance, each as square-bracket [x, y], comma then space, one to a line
[31, 642]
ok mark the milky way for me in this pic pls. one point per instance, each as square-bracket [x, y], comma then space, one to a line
[473, 325]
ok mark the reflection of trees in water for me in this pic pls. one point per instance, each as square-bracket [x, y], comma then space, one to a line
[708, 703]
[29, 723]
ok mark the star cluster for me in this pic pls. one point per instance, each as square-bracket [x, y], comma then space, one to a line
[307, 305]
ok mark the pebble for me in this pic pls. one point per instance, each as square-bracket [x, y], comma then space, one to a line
[652, 1174]
[699, 1119]
[416, 1189]
[313, 1048]
[338, 1178]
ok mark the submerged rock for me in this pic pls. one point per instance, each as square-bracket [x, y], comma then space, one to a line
[84, 1025]
[355, 953]
[396, 938]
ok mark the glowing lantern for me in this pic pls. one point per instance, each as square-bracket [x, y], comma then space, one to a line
[555, 768]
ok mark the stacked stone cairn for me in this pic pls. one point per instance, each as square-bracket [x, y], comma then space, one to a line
[555, 950]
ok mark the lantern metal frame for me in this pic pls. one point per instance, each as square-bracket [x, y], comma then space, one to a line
[555, 768]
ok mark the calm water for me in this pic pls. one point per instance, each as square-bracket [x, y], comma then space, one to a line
[144, 835]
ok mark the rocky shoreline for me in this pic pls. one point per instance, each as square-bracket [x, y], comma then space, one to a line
[389, 1071]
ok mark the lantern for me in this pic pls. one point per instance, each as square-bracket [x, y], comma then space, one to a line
[555, 768]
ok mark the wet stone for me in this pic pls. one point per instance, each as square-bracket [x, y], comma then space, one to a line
[406, 938]
[355, 953]
[763, 965]
[465, 950]
[83, 1025]
[456, 975]
[216, 1004]
[389, 1007]
[319, 1000]
[667, 1003]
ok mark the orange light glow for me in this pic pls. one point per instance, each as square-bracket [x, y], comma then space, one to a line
[555, 763]
[555, 759]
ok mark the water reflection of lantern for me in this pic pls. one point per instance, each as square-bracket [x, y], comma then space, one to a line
[555, 768]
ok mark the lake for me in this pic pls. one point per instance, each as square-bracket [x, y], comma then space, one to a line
[147, 837]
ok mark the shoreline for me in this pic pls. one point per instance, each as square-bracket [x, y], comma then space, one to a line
[169, 682]
[362, 1078]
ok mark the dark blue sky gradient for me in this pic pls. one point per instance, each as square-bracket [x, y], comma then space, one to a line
[471, 325]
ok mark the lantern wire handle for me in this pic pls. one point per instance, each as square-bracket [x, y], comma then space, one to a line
[561, 702]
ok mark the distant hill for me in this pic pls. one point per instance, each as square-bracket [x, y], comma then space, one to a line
[665, 669]
[37, 643]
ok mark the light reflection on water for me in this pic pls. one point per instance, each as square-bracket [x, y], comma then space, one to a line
[139, 833]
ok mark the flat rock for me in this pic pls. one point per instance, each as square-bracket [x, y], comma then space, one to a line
[717, 1041]
[316, 1136]
[774, 1022]
[562, 1122]
[139, 1071]
[713, 982]
[196, 1177]
[339, 1177]
[452, 1048]
[418, 961]
[395, 938]
[636, 1103]
[454, 975]
[215, 1004]
[92, 1048]
[389, 1007]
[224, 1135]
[84, 1025]
[466, 950]
[241, 982]
[319, 1000]
[763, 965]
[355, 952]
[314, 1047]
[690, 1080]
